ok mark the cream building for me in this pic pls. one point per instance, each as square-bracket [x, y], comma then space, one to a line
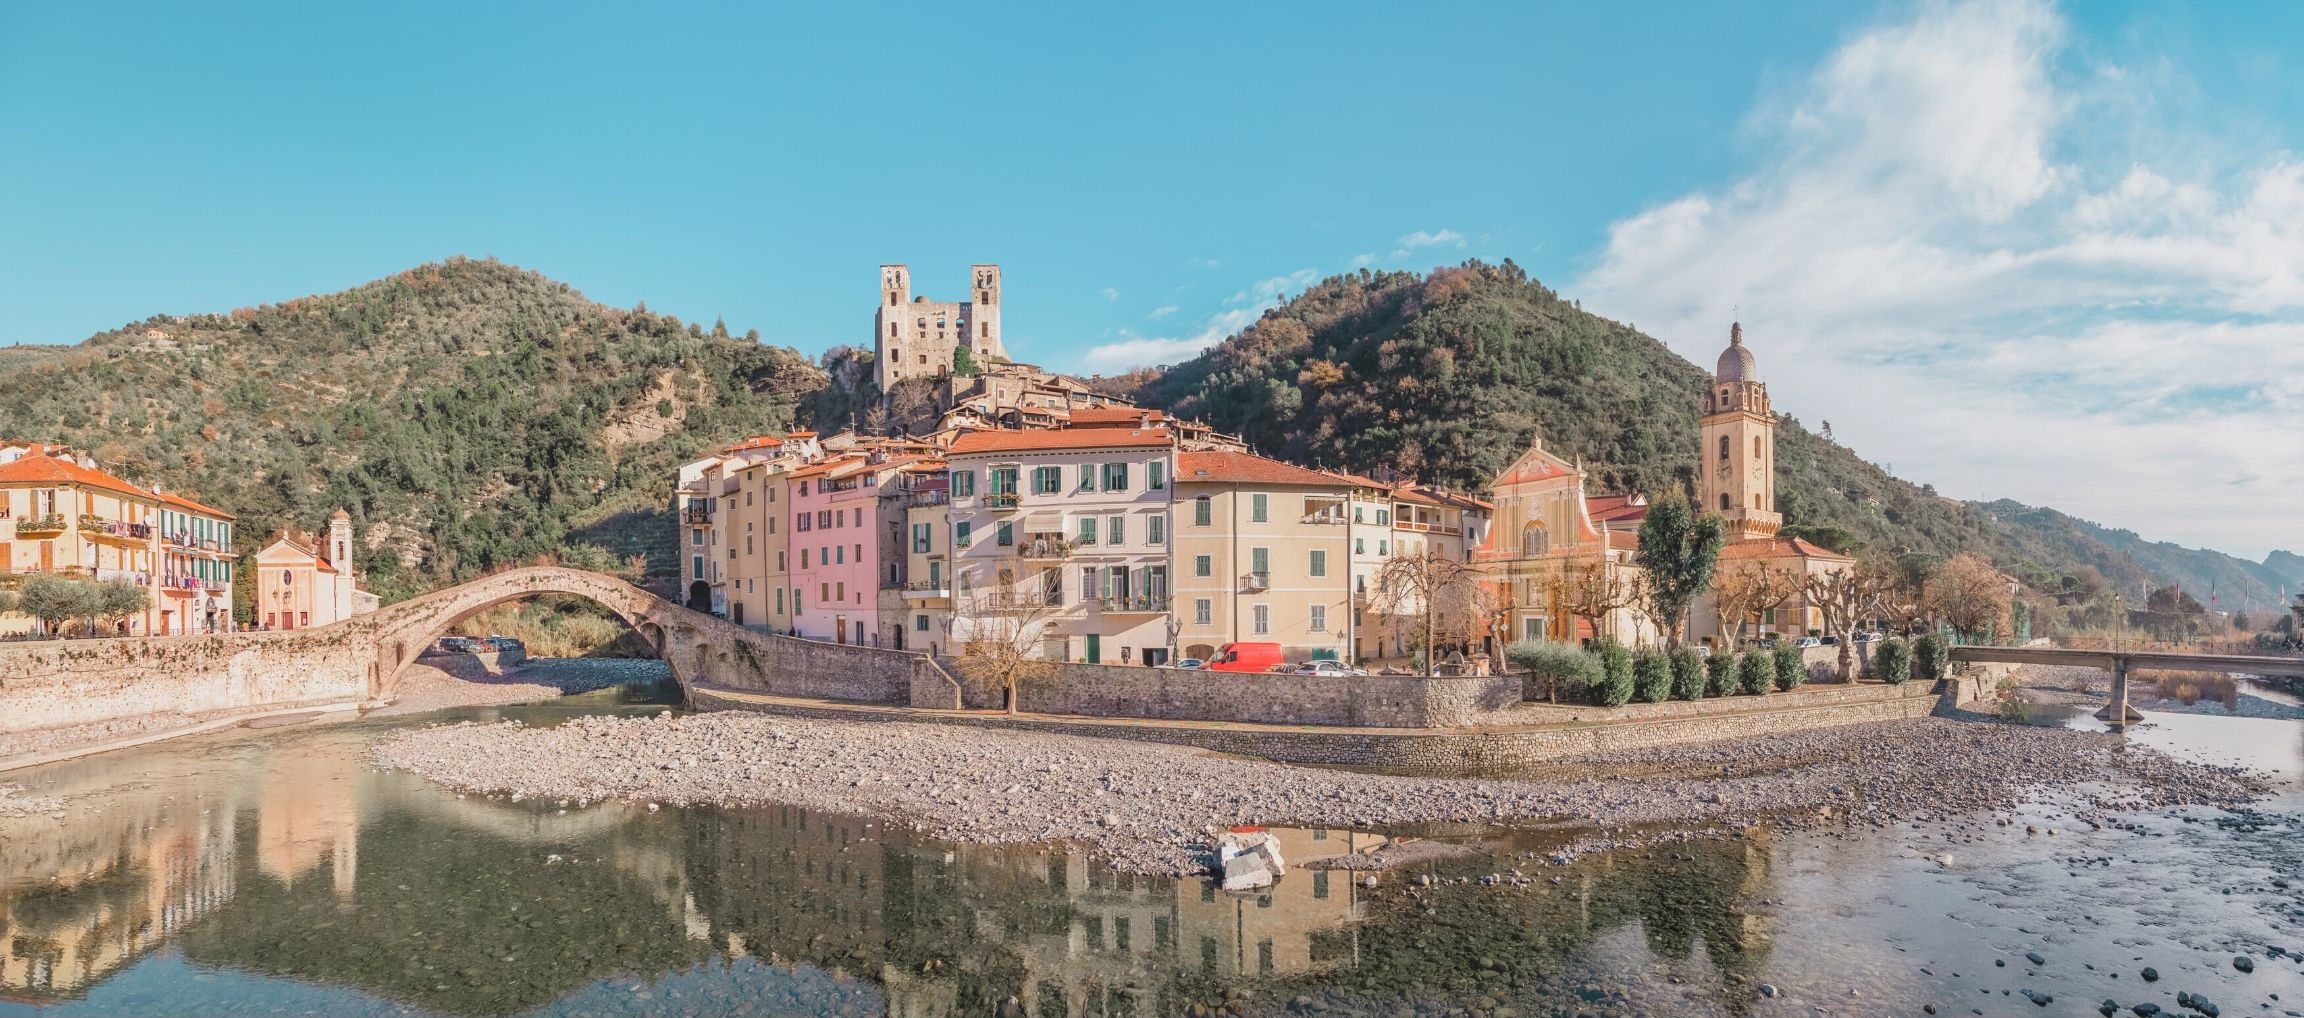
[303, 581]
[1060, 538]
[1263, 551]
[62, 515]
[914, 337]
[924, 602]
[1544, 545]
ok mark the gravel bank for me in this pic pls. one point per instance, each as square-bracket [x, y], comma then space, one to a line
[425, 688]
[1150, 807]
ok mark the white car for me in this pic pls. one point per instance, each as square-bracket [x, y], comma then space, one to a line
[1336, 669]
[1806, 642]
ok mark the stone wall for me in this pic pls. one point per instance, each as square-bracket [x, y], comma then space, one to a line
[53, 683]
[1380, 701]
[1479, 752]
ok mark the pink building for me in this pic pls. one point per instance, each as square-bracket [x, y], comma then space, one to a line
[839, 554]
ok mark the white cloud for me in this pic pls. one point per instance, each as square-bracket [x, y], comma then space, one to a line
[1431, 238]
[1362, 261]
[1163, 311]
[1140, 351]
[1920, 261]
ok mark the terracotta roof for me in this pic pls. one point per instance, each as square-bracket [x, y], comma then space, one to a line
[1108, 417]
[1616, 508]
[1778, 547]
[1624, 539]
[759, 442]
[981, 442]
[181, 502]
[37, 467]
[1247, 468]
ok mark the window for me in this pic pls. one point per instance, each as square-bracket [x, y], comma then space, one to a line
[1047, 480]
[963, 482]
[1117, 531]
[920, 537]
[795, 600]
[1000, 481]
[823, 591]
[779, 600]
[919, 623]
[1091, 582]
[1115, 477]
[1319, 618]
[840, 590]
[1257, 512]
[1203, 612]
[803, 489]
[1723, 501]
[960, 533]
[858, 519]
[1359, 546]
[1755, 447]
[1202, 565]
[696, 567]
[780, 562]
[1087, 530]
[840, 554]
[1006, 536]
[1319, 565]
[806, 522]
[1202, 511]
[1356, 517]
[1260, 560]
[1383, 547]
[1263, 616]
[696, 536]
[1723, 448]
[1087, 477]
[1383, 517]
[1156, 530]
[1534, 539]
[1156, 474]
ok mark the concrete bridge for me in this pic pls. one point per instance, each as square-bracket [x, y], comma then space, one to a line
[48, 684]
[2120, 662]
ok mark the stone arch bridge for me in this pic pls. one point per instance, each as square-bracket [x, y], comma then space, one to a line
[59, 683]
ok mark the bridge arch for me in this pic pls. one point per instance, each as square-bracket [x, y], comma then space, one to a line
[404, 630]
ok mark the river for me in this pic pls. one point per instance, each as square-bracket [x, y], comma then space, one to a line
[280, 872]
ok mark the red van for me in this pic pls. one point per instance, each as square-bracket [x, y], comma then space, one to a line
[1245, 657]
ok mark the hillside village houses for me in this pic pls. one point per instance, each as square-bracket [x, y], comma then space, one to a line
[61, 515]
[1039, 510]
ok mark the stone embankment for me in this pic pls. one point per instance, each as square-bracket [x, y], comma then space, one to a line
[425, 688]
[1151, 808]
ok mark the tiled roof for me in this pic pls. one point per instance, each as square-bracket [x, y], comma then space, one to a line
[181, 502]
[981, 442]
[1244, 468]
[1778, 547]
[1104, 417]
[37, 467]
[759, 442]
[1616, 508]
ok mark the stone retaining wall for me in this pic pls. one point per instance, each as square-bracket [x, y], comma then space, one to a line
[1380, 701]
[54, 683]
[1429, 752]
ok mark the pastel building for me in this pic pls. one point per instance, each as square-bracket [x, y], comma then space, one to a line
[1264, 554]
[844, 552]
[62, 515]
[306, 580]
[1060, 540]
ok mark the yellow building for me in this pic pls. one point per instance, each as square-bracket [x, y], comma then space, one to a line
[61, 515]
[1263, 553]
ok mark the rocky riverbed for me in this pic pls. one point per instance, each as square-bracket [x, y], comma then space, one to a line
[425, 688]
[2092, 687]
[1150, 808]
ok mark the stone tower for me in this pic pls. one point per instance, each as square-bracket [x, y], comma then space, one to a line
[1736, 465]
[340, 542]
[913, 337]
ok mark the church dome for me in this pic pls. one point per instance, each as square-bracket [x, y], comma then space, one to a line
[1736, 363]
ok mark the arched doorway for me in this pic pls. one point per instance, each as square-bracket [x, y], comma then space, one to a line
[700, 596]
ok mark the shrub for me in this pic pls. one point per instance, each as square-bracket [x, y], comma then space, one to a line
[1615, 686]
[1791, 667]
[1933, 655]
[1892, 660]
[1719, 674]
[1652, 676]
[1562, 669]
[1757, 671]
[1687, 673]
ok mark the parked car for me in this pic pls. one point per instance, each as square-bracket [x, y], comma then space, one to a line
[1245, 657]
[1869, 637]
[504, 643]
[1806, 642]
[1830, 641]
[1330, 668]
[1703, 650]
[1189, 662]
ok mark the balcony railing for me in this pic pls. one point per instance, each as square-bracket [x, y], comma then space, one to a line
[116, 530]
[928, 588]
[1002, 500]
[1044, 547]
[185, 584]
[924, 499]
[1255, 581]
[696, 517]
[53, 523]
[1330, 519]
[185, 540]
[1426, 528]
[1134, 604]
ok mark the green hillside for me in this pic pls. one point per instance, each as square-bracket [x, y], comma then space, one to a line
[1449, 376]
[469, 414]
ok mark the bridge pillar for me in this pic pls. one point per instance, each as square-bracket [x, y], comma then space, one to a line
[2117, 712]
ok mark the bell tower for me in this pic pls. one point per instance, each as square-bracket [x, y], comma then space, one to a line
[984, 312]
[1736, 464]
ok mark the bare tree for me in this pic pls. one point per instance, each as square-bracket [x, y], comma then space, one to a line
[1595, 591]
[1003, 630]
[1739, 594]
[1845, 596]
[1440, 594]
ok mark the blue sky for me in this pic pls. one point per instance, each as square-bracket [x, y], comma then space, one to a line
[2009, 248]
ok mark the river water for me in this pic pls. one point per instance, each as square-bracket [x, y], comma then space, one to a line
[278, 872]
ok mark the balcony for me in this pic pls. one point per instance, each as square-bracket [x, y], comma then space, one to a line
[1003, 500]
[926, 590]
[179, 586]
[696, 517]
[114, 530]
[1044, 546]
[1017, 601]
[925, 499]
[53, 523]
[1254, 582]
[1133, 604]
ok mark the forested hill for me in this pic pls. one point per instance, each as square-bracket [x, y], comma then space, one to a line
[1449, 375]
[469, 414]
